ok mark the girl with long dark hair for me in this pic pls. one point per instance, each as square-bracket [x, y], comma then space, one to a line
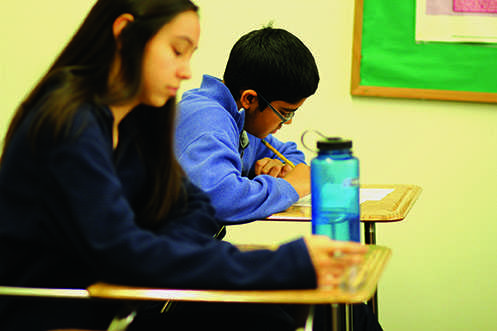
[90, 189]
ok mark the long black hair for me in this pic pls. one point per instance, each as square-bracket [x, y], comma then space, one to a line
[80, 74]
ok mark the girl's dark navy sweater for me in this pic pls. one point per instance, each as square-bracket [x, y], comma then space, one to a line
[67, 220]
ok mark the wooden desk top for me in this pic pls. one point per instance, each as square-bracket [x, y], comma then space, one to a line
[392, 208]
[364, 286]
[62, 293]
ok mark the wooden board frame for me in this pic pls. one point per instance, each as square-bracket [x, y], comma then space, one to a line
[357, 88]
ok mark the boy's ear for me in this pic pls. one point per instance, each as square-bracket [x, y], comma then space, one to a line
[248, 100]
[120, 23]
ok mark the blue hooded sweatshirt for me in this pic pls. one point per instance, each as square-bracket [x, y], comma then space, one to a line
[208, 147]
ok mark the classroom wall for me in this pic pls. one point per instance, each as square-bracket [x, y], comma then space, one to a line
[442, 272]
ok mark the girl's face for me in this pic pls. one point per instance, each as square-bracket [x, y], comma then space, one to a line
[166, 60]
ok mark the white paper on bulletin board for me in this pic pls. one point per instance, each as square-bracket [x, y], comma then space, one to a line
[456, 21]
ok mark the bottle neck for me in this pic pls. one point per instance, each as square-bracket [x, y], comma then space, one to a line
[345, 151]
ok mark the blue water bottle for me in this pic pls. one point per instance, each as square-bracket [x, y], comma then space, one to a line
[335, 190]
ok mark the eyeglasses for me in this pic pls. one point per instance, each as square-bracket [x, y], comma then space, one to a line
[284, 118]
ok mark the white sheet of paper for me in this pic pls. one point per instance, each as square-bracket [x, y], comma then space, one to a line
[373, 193]
[304, 201]
[365, 194]
[436, 20]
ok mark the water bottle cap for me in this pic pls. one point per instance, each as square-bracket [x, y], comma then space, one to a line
[334, 143]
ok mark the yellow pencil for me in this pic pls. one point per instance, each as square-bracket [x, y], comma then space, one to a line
[275, 151]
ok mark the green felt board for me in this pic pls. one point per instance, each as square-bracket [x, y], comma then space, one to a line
[390, 56]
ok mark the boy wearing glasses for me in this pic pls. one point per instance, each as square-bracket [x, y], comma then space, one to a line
[269, 75]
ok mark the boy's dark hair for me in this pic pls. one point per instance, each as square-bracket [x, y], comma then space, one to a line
[272, 62]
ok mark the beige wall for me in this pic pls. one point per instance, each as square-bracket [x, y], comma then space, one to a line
[444, 265]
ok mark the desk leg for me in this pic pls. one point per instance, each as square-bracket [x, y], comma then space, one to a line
[341, 317]
[370, 239]
[370, 233]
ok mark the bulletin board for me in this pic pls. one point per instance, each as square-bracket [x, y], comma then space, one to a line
[388, 62]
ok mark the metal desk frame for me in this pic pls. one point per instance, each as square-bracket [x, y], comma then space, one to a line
[392, 208]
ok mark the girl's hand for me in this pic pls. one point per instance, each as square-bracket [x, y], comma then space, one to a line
[332, 258]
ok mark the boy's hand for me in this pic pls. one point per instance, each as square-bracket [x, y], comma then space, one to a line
[271, 167]
[300, 178]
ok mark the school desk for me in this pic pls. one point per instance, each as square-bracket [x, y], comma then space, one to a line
[357, 286]
[384, 203]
